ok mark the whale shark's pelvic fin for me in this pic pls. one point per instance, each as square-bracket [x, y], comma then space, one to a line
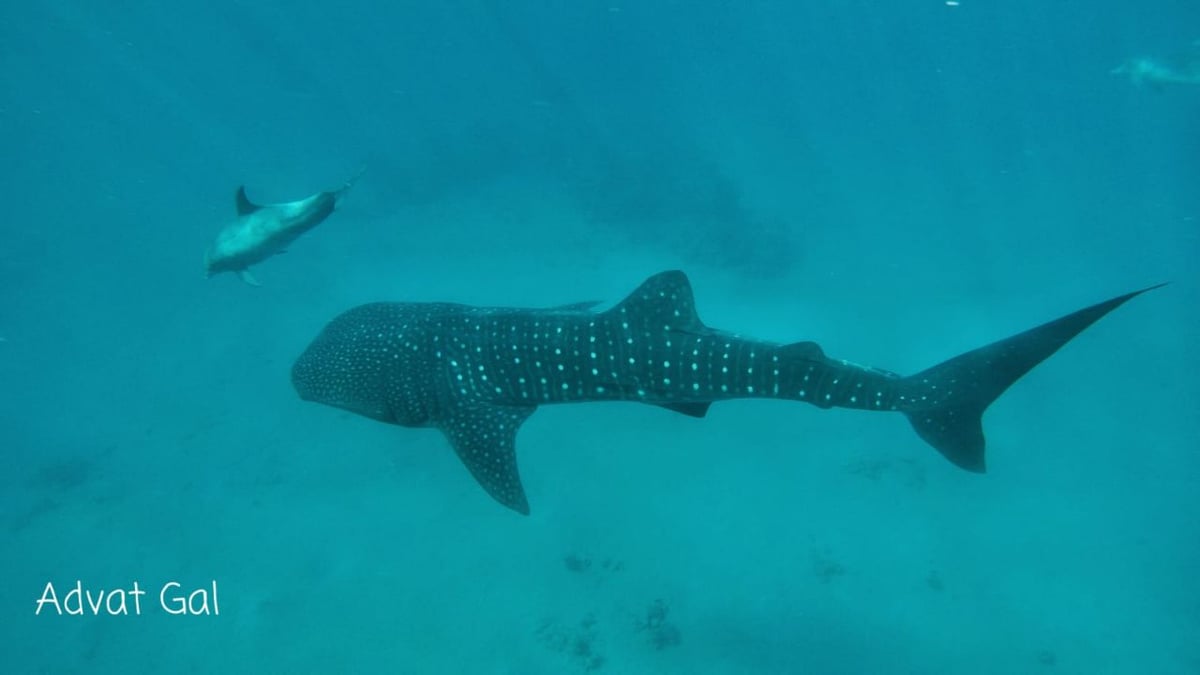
[244, 205]
[690, 409]
[978, 377]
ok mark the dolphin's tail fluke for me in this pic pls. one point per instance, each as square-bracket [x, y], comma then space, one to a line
[945, 403]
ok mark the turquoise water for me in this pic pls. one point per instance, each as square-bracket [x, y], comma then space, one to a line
[898, 182]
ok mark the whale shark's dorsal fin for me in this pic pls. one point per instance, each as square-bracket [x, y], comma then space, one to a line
[244, 205]
[663, 301]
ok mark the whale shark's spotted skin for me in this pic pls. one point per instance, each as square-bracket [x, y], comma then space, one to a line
[478, 373]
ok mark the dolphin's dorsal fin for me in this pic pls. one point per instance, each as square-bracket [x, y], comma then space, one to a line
[484, 436]
[243, 203]
[664, 301]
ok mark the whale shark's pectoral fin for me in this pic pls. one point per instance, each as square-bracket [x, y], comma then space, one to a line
[243, 203]
[484, 436]
[245, 276]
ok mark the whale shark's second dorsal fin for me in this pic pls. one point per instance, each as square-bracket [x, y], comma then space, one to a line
[244, 205]
[690, 409]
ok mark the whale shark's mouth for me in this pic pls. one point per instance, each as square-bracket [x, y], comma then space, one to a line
[377, 413]
[315, 377]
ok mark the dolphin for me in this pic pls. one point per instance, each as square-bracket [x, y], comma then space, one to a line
[477, 373]
[263, 230]
[1182, 69]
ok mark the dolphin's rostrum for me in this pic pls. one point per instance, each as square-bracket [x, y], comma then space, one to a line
[477, 373]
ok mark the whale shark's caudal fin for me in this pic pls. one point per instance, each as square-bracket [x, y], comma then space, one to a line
[946, 402]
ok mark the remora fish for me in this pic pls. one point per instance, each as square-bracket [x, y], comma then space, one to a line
[477, 373]
[263, 230]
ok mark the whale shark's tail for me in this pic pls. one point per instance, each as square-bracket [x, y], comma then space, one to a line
[945, 403]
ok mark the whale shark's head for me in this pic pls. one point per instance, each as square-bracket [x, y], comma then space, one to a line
[364, 361]
[339, 369]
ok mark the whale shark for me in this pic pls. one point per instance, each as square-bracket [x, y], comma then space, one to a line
[263, 230]
[477, 373]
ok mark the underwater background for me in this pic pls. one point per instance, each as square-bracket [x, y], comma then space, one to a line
[900, 182]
